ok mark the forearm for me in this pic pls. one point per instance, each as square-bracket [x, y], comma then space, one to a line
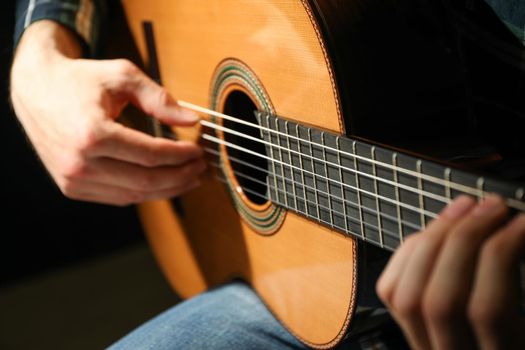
[47, 40]
[42, 51]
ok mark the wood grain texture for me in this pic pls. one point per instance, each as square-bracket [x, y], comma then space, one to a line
[304, 272]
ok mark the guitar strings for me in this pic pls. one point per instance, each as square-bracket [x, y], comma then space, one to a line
[259, 127]
[513, 203]
[302, 199]
[398, 238]
[305, 186]
[518, 205]
[510, 202]
[312, 158]
[371, 194]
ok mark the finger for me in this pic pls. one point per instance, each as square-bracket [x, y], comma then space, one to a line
[393, 271]
[123, 143]
[152, 98]
[494, 305]
[407, 298]
[114, 195]
[447, 292]
[138, 178]
[388, 280]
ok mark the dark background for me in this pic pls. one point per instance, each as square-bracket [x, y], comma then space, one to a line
[72, 275]
[40, 228]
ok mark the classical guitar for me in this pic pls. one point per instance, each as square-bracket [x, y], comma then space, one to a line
[304, 165]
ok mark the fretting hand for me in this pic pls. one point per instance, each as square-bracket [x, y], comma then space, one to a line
[68, 107]
[455, 285]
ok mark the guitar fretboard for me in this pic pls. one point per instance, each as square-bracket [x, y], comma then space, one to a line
[362, 190]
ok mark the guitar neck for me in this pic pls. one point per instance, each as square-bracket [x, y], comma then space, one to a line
[365, 191]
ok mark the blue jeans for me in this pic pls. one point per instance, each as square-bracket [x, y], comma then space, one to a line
[229, 317]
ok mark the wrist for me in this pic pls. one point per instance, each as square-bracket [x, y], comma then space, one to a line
[46, 41]
[43, 50]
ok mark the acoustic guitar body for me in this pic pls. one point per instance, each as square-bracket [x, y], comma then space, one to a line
[234, 57]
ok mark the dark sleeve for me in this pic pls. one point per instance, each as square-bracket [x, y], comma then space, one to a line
[86, 18]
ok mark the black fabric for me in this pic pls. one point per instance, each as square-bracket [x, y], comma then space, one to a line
[493, 61]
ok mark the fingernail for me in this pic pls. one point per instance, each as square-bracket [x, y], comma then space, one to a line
[187, 115]
[458, 207]
[488, 205]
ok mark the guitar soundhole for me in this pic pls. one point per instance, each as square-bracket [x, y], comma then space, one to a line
[250, 170]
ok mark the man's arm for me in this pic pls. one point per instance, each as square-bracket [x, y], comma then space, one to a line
[84, 18]
[68, 106]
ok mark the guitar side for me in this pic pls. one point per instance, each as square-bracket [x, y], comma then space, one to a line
[304, 272]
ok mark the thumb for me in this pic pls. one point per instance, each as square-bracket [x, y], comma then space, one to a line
[156, 101]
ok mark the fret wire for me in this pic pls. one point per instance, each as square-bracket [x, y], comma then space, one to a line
[291, 162]
[301, 167]
[313, 173]
[272, 159]
[347, 202]
[448, 192]
[422, 218]
[376, 189]
[354, 148]
[308, 215]
[342, 188]
[398, 207]
[282, 162]
[327, 183]
[520, 193]
[480, 184]
[229, 144]
[459, 187]
[318, 219]
[405, 187]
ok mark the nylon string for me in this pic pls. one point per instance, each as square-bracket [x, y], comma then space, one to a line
[513, 203]
[343, 200]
